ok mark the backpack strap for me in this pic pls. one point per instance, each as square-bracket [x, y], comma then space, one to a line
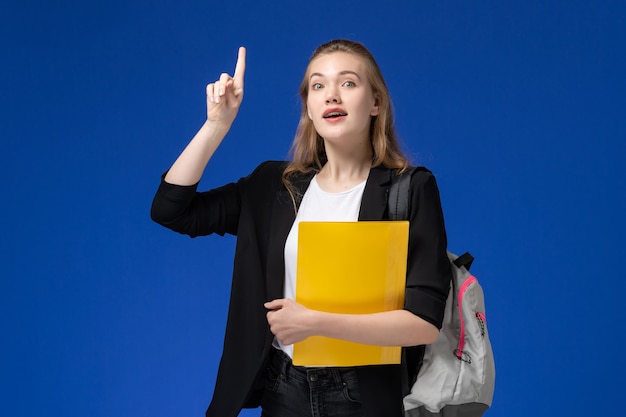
[398, 209]
[398, 201]
[464, 260]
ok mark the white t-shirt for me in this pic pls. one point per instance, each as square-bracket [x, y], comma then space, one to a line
[317, 205]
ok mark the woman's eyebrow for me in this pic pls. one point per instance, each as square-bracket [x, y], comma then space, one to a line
[346, 72]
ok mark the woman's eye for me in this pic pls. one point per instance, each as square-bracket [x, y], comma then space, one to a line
[316, 86]
[349, 84]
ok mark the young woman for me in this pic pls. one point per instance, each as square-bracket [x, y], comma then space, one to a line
[344, 155]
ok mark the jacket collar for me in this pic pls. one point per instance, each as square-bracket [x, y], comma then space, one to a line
[375, 195]
[283, 216]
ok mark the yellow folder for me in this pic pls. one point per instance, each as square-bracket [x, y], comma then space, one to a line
[353, 268]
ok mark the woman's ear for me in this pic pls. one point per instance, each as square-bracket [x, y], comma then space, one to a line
[375, 108]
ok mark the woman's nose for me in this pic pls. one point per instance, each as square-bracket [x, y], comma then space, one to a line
[332, 96]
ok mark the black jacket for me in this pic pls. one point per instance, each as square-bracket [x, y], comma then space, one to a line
[259, 211]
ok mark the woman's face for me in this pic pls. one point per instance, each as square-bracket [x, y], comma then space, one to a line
[340, 101]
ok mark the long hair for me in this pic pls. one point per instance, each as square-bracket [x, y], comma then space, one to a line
[307, 150]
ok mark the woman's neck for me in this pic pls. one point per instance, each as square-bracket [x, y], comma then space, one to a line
[344, 170]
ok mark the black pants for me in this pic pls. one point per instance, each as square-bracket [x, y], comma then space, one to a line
[296, 391]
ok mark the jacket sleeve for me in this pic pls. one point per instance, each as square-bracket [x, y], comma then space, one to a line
[428, 269]
[187, 211]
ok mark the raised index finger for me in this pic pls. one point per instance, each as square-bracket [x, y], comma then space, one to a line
[240, 68]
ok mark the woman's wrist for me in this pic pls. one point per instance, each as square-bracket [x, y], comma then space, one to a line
[215, 129]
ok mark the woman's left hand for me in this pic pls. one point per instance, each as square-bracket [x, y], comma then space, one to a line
[289, 321]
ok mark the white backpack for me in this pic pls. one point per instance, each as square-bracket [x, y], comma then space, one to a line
[457, 374]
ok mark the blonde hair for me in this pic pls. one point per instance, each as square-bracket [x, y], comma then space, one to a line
[307, 150]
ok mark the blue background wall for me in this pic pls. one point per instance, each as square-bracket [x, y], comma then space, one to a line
[517, 106]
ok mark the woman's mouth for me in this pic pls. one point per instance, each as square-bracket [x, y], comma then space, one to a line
[334, 114]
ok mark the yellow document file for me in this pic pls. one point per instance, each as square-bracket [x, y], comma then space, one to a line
[353, 268]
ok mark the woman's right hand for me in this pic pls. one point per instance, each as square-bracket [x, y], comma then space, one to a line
[224, 96]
